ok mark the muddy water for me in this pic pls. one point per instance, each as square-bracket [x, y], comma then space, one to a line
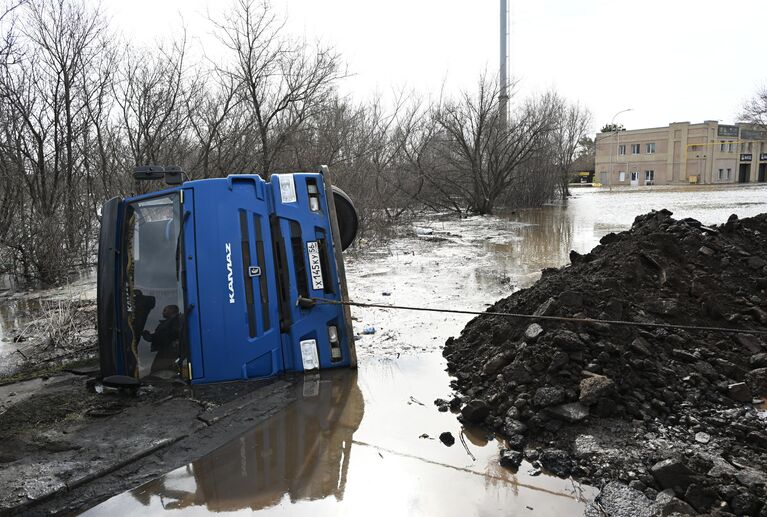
[357, 444]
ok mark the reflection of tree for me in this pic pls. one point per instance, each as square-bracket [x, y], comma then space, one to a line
[303, 451]
[545, 240]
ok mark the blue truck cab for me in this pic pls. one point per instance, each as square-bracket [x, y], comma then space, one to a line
[209, 280]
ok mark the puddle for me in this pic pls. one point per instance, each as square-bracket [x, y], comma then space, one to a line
[351, 446]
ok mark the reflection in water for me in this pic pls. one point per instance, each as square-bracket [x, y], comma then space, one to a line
[540, 238]
[524, 242]
[16, 314]
[21, 316]
[320, 457]
[17, 311]
[303, 452]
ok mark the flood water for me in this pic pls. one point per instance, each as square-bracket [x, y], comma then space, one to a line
[469, 264]
[19, 309]
[357, 443]
[354, 443]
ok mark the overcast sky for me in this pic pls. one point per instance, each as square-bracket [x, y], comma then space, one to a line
[668, 60]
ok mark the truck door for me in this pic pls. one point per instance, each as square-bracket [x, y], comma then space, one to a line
[239, 319]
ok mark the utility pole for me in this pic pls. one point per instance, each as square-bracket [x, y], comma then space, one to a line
[612, 134]
[503, 97]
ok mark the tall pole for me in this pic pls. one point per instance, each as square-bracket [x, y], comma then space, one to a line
[503, 96]
[612, 134]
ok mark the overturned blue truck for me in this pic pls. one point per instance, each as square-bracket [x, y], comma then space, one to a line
[209, 280]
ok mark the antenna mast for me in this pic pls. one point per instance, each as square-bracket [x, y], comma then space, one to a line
[503, 97]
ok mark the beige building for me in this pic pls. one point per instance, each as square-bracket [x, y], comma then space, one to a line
[682, 153]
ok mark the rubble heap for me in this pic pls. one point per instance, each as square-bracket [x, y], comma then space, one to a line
[667, 411]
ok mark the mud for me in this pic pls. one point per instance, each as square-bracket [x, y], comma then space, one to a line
[656, 409]
[64, 447]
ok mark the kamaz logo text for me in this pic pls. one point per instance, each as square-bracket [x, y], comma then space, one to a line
[229, 274]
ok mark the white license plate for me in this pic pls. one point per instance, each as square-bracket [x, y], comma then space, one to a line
[315, 268]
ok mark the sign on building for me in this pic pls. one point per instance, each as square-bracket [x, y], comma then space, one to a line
[725, 130]
[753, 134]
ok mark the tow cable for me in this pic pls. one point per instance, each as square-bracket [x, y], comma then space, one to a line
[311, 301]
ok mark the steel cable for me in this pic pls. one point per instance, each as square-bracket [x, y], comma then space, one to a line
[585, 321]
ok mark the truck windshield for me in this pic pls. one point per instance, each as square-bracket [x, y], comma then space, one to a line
[153, 287]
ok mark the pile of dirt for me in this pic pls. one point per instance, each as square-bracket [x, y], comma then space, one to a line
[669, 412]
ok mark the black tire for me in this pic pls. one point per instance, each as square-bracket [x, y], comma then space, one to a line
[346, 215]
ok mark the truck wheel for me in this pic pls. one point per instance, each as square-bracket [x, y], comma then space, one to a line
[346, 215]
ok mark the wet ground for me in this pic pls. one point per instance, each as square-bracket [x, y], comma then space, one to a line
[352, 444]
[25, 317]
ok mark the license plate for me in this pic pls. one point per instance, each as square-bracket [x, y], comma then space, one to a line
[315, 268]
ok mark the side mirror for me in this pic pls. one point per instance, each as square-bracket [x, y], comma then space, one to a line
[173, 175]
[148, 172]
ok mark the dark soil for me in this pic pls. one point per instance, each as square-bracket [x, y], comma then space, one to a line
[666, 411]
[67, 443]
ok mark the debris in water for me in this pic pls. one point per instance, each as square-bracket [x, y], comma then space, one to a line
[447, 438]
[466, 447]
[369, 329]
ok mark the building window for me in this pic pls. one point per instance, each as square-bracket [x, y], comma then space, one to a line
[721, 174]
[727, 176]
[749, 147]
[694, 147]
[622, 149]
[731, 148]
[649, 177]
[650, 148]
[722, 147]
[634, 148]
[622, 176]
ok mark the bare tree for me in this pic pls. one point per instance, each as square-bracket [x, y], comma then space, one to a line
[152, 93]
[755, 109]
[282, 81]
[78, 111]
[210, 107]
[42, 89]
[482, 158]
[572, 123]
[8, 33]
